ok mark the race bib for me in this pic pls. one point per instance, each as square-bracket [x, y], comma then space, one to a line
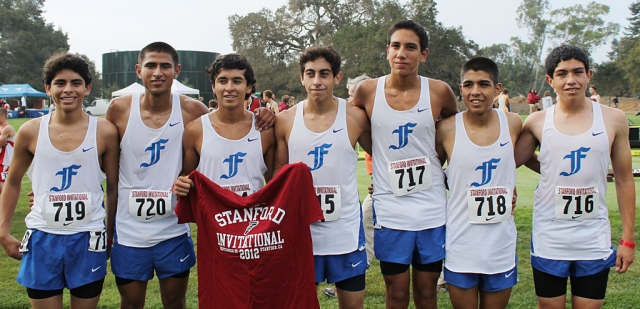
[489, 205]
[67, 210]
[150, 205]
[98, 241]
[25, 241]
[3, 175]
[409, 176]
[330, 201]
[573, 203]
[243, 189]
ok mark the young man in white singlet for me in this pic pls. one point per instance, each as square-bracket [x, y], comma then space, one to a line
[322, 132]
[481, 187]
[71, 154]
[148, 237]
[409, 199]
[7, 136]
[578, 139]
[224, 145]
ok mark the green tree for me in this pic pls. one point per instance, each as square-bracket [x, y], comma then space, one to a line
[533, 16]
[633, 30]
[26, 42]
[96, 80]
[583, 26]
[610, 78]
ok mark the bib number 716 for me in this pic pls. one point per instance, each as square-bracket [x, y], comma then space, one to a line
[576, 203]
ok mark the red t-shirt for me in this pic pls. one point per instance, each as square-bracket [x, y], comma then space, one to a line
[255, 251]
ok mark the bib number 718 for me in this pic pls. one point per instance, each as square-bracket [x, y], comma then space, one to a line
[488, 205]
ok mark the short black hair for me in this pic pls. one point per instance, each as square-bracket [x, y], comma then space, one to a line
[62, 61]
[159, 47]
[413, 26]
[481, 64]
[230, 62]
[565, 52]
[320, 51]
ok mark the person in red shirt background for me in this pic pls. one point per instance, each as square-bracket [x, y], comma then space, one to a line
[533, 98]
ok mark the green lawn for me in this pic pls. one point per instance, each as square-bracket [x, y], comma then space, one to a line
[621, 290]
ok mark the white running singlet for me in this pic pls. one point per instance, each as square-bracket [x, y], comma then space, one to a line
[67, 186]
[150, 162]
[408, 181]
[6, 153]
[333, 163]
[236, 165]
[570, 217]
[479, 208]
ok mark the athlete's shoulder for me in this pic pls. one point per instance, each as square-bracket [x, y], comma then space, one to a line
[365, 92]
[438, 86]
[445, 126]
[192, 108]
[194, 126]
[30, 128]
[106, 128]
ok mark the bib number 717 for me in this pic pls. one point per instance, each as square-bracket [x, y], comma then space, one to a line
[409, 176]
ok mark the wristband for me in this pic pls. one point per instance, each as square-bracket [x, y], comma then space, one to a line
[110, 241]
[628, 244]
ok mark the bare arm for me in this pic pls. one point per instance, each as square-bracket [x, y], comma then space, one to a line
[284, 123]
[625, 187]
[527, 141]
[7, 132]
[269, 151]
[22, 157]
[191, 144]
[359, 127]
[442, 96]
[265, 118]
[110, 165]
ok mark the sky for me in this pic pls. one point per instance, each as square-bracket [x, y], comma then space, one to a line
[101, 26]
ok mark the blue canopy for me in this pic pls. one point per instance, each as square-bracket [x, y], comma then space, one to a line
[20, 90]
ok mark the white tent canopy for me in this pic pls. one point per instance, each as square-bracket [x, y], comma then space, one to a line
[131, 89]
[180, 88]
[134, 88]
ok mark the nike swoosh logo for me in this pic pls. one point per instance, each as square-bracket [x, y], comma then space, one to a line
[173, 124]
[184, 258]
[336, 131]
[93, 270]
[422, 110]
[489, 219]
[509, 274]
[149, 217]
[596, 134]
[356, 264]
[66, 224]
[85, 150]
[252, 140]
[410, 189]
[503, 144]
[576, 217]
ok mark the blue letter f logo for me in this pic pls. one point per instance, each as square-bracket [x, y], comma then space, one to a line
[403, 135]
[318, 154]
[487, 169]
[575, 156]
[233, 161]
[155, 152]
[66, 174]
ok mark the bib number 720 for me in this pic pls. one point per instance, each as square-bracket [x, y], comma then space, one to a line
[160, 207]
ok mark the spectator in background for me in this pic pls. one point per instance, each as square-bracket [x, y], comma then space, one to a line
[615, 101]
[284, 103]
[292, 102]
[547, 101]
[213, 105]
[503, 101]
[532, 99]
[595, 97]
[269, 102]
[252, 103]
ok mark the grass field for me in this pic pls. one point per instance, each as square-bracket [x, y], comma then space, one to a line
[621, 293]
